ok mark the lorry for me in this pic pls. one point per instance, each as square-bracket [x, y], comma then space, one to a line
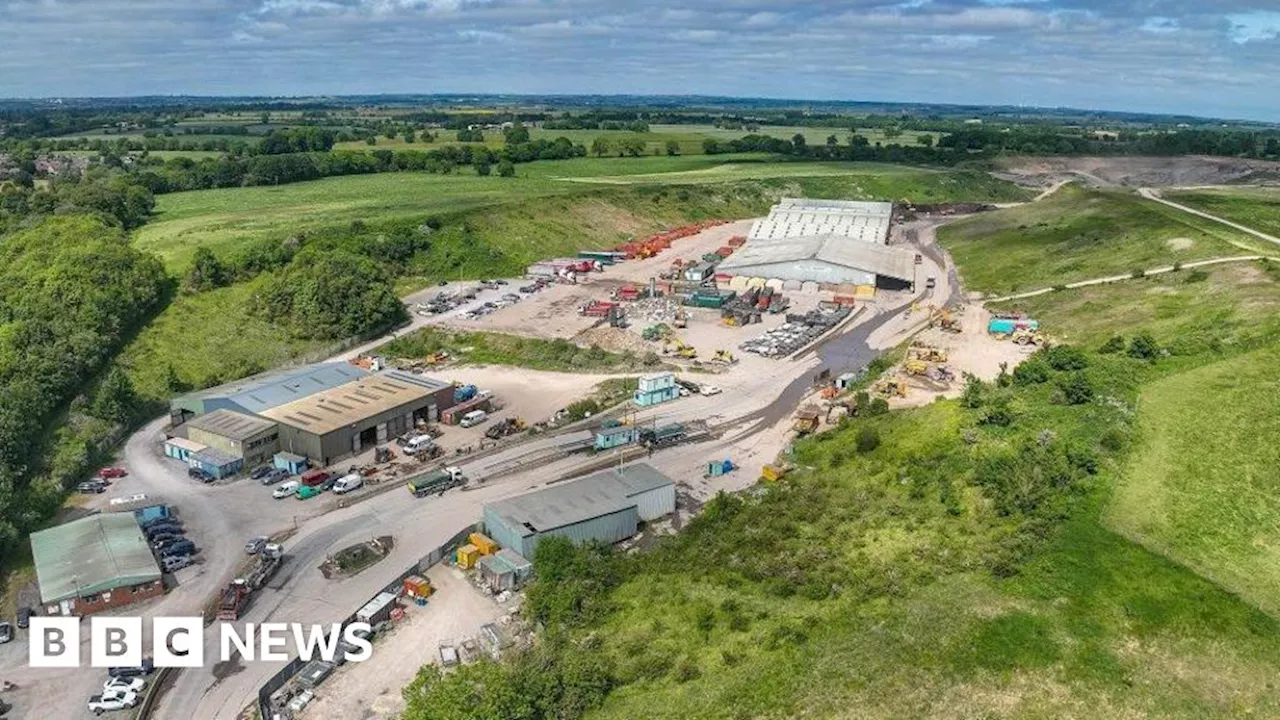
[437, 482]
[235, 596]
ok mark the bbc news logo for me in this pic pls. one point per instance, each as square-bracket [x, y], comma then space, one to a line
[179, 642]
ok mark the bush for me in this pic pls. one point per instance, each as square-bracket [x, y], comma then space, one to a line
[1197, 275]
[1032, 372]
[1114, 345]
[1076, 389]
[868, 440]
[974, 392]
[1137, 274]
[1065, 358]
[878, 406]
[1143, 346]
[999, 412]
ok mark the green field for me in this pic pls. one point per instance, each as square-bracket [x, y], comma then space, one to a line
[484, 348]
[1203, 486]
[1257, 208]
[1079, 234]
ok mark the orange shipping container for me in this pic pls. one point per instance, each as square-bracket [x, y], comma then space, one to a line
[417, 586]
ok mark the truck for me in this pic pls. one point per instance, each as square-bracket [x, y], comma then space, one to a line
[235, 596]
[437, 482]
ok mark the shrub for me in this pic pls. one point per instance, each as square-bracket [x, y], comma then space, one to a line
[878, 406]
[1138, 273]
[1114, 345]
[1076, 389]
[974, 392]
[1143, 346]
[1197, 275]
[868, 440]
[1032, 372]
[1065, 358]
[999, 412]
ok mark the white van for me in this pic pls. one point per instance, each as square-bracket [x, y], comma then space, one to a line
[418, 443]
[347, 483]
[473, 418]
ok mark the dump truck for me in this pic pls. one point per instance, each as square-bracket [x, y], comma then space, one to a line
[806, 420]
[437, 482]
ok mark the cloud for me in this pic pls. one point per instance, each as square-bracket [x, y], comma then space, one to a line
[1213, 58]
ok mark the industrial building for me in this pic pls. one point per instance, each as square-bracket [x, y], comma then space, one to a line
[261, 392]
[334, 423]
[606, 507]
[252, 439]
[828, 242]
[93, 564]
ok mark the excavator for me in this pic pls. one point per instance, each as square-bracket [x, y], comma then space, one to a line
[726, 357]
[927, 353]
[916, 367]
[943, 318]
[676, 346]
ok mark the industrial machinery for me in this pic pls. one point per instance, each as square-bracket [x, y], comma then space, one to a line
[889, 387]
[676, 346]
[1028, 337]
[928, 353]
[726, 357]
[944, 318]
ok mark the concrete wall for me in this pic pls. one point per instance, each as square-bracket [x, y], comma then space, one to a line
[115, 598]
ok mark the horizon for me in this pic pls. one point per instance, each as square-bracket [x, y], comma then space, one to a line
[1164, 57]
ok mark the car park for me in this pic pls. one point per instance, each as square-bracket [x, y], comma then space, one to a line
[285, 489]
[91, 488]
[99, 704]
[255, 545]
[24, 616]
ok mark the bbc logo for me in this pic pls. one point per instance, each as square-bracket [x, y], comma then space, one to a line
[116, 642]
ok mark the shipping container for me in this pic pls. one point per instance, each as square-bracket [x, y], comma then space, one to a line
[772, 473]
[467, 556]
[483, 543]
[416, 586]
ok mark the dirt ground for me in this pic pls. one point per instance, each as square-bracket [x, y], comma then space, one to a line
[972, 351]
[371, 689]
[553, 313]
[1139, 171]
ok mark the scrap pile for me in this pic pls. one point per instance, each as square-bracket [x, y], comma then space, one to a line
[656, 243]
[654, 310]
[798, 331]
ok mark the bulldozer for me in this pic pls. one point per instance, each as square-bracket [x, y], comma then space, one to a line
[945, 319]
[889, 387]
[927, 353]
[916, 367]
[1028, 337]
[726, 357]
[676, 346]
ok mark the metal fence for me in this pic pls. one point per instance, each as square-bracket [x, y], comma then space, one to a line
[277, 681]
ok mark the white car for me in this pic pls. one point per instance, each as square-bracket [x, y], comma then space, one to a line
[120, 686]
[710, 390]
[286, 489]
[111, 702]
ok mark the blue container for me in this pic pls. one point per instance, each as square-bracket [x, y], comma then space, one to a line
[464, 393]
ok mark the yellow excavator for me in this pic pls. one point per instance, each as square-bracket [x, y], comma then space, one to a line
[889, 387]
[945, 319]
[676, 346]
[724, 356]
[1028, 337]
[916, 367]
[927, 353]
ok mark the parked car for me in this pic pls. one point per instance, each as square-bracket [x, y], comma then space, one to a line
[285, 489]
[255, 545]
[155, 531]
[117, 685]
[171, 563]
[24, 616]
[473, 418]
[110, 473]
[261, 471]
[306, 492]
[276, 475]
[99, 704]
[347, 483]
[199, 474]
[91, 488]
[167, 541]
[6, 632]
[179, 548]
[710, 390]
[161, 520]
[146, 668]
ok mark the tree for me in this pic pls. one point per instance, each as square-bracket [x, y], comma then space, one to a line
[832, 141]
[409, 136]
[798, 141]
[974, 392]
[115, 399]
[506, 168]
[673, 147]
[868, 440]
[924, 140]
[206, 271]
[331, 295]
[482, 166]
[516, 134]
[600, 147]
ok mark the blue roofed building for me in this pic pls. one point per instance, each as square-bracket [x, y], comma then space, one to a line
[258, 393]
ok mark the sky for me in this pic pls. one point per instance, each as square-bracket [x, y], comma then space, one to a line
[1217, 58]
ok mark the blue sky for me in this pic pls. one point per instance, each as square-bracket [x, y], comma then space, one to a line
[1204, 57]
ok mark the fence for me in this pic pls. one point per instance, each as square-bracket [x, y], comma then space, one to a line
[277, 681]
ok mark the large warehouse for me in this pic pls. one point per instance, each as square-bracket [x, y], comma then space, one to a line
[324, 412]
[607, 507]
[829, 242]
[94, 564]
[331, 424]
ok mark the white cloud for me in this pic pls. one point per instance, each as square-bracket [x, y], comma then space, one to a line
[1254, 26]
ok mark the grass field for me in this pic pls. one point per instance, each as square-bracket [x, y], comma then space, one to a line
[1078, 234]
[1203, 487]
[1257, 208]
[227, 219]
[1192, 310]
[483, 348]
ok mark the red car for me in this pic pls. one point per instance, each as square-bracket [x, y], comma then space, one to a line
[109, 473]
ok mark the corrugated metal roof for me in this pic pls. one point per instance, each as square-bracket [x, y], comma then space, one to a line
[185, 444]
[214, 457]
[326, 411]
[270, 389]
[754, 257]
[801, 217]
[91, 555]
[569, 503]
[230, 424]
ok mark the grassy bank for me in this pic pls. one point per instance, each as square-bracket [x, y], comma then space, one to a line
[1257, 208]
[483, 348]
[1078, 234]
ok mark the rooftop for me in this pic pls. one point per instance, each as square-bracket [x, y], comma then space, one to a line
[326, 411]
[893, 262]
[91, 555]
[798, 217]
[230, 424]
[270, 389]
[214, 457]
[569, 503]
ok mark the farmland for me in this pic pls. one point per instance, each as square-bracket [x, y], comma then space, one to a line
[1078, 234]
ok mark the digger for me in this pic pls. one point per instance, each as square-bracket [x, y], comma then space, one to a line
[889, 387]
[943, 318]
[675, 346]
[1028, 337]
[726, 357]
[916, 367]
[927, 353]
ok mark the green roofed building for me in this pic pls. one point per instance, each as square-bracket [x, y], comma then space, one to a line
[93, 564]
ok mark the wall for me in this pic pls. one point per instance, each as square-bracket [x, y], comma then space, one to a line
[656, 503]
[119, 597]
[256, 449]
